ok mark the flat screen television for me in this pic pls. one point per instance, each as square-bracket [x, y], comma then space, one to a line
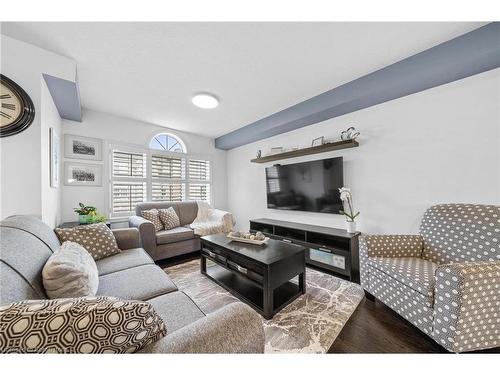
[311, 186]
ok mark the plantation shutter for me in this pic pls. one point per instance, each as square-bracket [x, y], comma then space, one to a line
[167, 167]
[199, 192]
[126, 195]
[129, 164]
[171, 192]
[199, 170]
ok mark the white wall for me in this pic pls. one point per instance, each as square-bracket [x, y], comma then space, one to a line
[114, 129]
[24, 174]
[437, 146]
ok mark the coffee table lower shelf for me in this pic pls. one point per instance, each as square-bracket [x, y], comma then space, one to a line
[249, 292]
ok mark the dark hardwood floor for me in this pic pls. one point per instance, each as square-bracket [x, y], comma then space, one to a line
[372, 328]
[375, 328]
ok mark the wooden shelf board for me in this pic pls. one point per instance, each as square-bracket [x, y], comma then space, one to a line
[308, 151]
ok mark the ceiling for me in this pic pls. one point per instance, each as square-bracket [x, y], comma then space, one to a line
[149, 71]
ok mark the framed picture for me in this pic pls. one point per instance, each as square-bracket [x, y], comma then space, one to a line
[76, 147]
[54, 158]
[317, 141]
[80, 174]
[276, 150]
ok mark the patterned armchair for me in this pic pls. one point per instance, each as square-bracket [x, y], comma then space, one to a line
[445, 281]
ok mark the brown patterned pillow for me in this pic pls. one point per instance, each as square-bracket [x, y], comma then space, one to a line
[97, 239]
[169, 218]
[152, 216]
[79, 325]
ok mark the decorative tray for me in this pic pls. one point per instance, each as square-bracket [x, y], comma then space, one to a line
[254, 242]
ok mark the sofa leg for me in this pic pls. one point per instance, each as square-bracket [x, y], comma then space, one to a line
[369, 296]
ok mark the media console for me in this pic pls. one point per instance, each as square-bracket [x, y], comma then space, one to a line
[329, 249]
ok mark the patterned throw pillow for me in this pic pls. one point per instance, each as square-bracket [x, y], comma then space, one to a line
[79, 325]
[70, 272]
[152, 216]
[97, 239]
[169, 218]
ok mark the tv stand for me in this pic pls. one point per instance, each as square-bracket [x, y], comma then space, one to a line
[329, 249]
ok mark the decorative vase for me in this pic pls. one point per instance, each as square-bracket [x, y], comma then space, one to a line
[351, 226]
[83, 219]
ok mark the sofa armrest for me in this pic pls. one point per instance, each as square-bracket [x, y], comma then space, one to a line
[388, 246]
[466, 306]
[224, 217]
[127, 238]
[147, 232]
[235, 328]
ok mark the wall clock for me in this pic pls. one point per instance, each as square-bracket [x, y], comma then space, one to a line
[16, 108]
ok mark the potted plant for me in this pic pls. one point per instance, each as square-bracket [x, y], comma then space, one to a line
[86, 214]
[348, 211]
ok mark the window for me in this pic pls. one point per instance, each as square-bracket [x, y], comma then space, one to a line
[168, 178]
[128, 181]
[162, 173]
[199, 180]
[167, 142]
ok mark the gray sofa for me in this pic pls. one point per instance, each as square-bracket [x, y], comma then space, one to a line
[26, 244]
[446, 280]
[169, 243]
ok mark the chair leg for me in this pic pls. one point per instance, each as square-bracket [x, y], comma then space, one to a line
[369, 296]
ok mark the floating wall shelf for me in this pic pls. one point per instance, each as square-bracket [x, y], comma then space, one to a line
[308, 151]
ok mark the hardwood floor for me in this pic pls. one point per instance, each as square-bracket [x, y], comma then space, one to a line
[375, 328]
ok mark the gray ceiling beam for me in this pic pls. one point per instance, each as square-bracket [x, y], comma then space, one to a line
[66, 96]
[469, 54]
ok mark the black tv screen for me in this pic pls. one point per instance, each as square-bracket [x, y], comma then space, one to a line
[310, 186]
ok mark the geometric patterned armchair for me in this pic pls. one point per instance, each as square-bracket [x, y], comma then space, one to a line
[446, 280]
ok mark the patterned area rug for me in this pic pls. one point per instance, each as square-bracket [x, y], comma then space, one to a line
[310, 324]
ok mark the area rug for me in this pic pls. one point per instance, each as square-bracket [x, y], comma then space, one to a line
[310, 324]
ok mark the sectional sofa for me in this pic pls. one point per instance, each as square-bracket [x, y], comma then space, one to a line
[27, 243]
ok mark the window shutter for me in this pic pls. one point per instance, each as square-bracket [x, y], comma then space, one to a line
[167, 192]
[129, 164]
[167, 167]
[127, 195]
[199, 192]
[199, 170]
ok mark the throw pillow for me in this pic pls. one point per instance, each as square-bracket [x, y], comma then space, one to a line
[153, 216]
[79, 325]
[169, 218]
[97, 239]
[70, 272]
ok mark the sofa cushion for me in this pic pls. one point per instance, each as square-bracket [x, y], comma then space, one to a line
[79, 325]
[188, 210]
[416, 273]
[140, 283]
[126, 259]
[176, 309]
[154, 217]
[174, 235]
[70, 272]
[97, 239]
[169, 218]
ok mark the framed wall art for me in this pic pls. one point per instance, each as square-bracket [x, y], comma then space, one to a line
[55, 159]
[77, 147]
[82, 174]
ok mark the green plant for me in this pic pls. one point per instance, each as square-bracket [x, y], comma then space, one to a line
[346, 197]
[85, 210]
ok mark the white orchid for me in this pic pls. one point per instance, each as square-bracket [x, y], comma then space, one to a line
[346, 198]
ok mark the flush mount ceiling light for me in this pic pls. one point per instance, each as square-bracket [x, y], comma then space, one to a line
[205, 100]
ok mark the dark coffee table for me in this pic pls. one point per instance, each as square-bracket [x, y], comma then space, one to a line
[258, 275]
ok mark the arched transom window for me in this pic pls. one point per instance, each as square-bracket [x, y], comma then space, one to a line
[167, 142]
